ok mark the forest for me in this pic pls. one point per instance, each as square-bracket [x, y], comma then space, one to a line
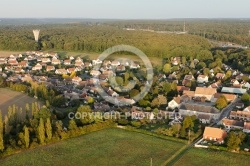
[227, 30]
[97, 38]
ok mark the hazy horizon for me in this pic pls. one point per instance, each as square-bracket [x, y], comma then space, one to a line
[121, 9]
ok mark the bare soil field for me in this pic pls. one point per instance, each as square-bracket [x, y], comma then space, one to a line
[9, 98]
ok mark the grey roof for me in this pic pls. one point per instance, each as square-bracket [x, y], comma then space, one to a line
[233, 90]
[199, 108]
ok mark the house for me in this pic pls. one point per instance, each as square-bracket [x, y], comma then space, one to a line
[204, 118]
[120, 68]
[19, 70]
[233, 90]
[229, 97]
[215, 85]
[189, 93]
[246, 128]
[88, 64]
[23, 64]
[220, 76]
[235, 82]
[50, 68]
[239, 105]
[134, 66]
[3, 61]
[176, 61]
[96, 62]
[214, 134]
[13, 62]
[232, 124]
[61, 71]
[175, 103]
[38, 66]
[247, 109]
[246, 85]
[115, 63]
[45, 60]
[205, 92]
[112, 93]
[78, 59]
[182, 88]
[70, 70]
[76, 80]
[240, 115]
[189, 109]
[95, 73]
[202, 79]
[55, 61]
[67, 62]
[189, 77]
[79, 64]
[71, 58]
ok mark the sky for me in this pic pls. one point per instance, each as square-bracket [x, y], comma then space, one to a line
[125, 9]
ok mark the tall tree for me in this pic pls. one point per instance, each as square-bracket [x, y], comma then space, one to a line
[1, 132]
[48, 129]
[26, 136]
[41, 131]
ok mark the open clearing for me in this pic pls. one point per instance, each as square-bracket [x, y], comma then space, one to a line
[9, 97]
[210, 157]
[105, 147]
[8, 53]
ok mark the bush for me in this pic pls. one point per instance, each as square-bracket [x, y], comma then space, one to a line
[123, 122]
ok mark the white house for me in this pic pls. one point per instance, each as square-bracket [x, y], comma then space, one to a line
[95, 73]
[202, 79]
[96, 62]
[175, 103]
[61, 71]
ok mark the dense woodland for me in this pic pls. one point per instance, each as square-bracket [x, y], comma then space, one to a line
[227, 30]
[97, 38]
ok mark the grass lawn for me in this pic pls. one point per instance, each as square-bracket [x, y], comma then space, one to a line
[106, 147]
[209, 157]
[9, 97]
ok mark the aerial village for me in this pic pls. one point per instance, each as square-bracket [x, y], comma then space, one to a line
[196, 94]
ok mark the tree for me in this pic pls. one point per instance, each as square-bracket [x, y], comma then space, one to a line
[48, 129]
[188, 122]
[26, 136]
[1, 132]
[245, 98]
[234, 140]
[221, 102]
[41, 131]
[167, 68]
[72, 125]
[84, 113]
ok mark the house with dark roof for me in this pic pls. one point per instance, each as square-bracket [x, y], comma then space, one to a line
[189, 109]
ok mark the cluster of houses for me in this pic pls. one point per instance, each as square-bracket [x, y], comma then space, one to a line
[23, 67]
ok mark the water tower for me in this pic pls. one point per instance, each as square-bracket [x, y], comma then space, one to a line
[36, 34]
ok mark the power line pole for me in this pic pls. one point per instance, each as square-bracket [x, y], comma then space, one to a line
[151, 162]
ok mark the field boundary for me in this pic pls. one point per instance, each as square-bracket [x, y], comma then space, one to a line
[128, 128]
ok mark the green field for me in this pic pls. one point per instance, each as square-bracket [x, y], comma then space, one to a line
[106, 147]
[209, 157]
